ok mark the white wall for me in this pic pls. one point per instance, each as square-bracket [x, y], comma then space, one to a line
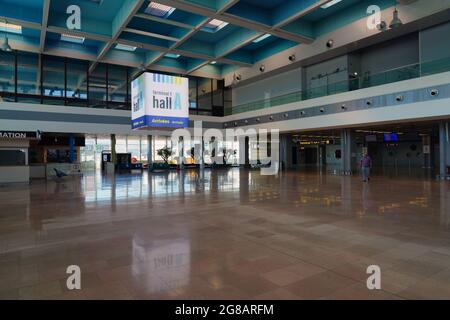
[392, 54]
[435, 43]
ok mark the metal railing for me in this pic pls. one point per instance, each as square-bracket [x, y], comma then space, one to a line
[365, 81]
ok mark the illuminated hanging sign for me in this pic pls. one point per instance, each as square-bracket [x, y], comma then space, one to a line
[160, 101]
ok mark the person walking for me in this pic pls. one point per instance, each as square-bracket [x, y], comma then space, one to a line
[366, 165]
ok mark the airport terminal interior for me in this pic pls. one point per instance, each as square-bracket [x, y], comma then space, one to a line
[338, 165]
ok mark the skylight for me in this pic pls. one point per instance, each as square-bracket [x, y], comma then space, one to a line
[125, 47]
[172, 55]
[72, 38]
[329, 4]
[215, 25]
[12, 28]
[262, 38]
[159, 10]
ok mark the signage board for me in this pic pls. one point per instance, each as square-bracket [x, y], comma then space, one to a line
[160, 101]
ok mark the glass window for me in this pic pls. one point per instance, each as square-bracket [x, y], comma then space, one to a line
[13, 157]
[134, 147]
[117, 81]
[204, 93]
[28, 73]
[97, 86]
[6, 75]
[53, 78]
[192, 93]
[121, 144]
[144, 149]
[76, 82]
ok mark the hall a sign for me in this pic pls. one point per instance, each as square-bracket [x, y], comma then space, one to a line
[160, 101]
[23, 135]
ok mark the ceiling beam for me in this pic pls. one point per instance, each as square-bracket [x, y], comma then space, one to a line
[45, 11]
[165, 21]
[300, 14]
[87, 35]
[23, 23]
[151, 34]
[120, 22]
[235, 20]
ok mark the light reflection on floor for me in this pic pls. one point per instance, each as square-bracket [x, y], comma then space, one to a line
[228, 234]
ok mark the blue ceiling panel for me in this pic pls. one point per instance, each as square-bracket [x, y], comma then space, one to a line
[178, 30]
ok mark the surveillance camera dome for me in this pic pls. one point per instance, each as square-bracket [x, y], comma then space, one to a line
[262, 68]
[399, 98]
[330, 43]
[368, 102]
[434, 92]
[322, 110]
[292, 57]
[343, 107]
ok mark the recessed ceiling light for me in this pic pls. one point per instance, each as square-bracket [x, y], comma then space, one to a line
[125, 47]
[215, 25]
[329, 4]
[159, 10]
[172, 55]
[12, 28]
[72, 38]
[267, 35]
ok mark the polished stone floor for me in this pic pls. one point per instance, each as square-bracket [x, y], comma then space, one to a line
[225, 235]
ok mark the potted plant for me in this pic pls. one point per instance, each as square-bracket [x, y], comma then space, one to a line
[165, 153]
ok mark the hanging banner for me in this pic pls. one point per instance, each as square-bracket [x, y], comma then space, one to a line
[160, 101]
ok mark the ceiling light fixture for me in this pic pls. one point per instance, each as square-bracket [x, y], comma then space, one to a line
[329, 4]
[159, 10]
[396, 22]
[125, 47]
[11, 28]
[215, 25]
[263, 37]
[72, 38]
[5, 45]
[172, 55]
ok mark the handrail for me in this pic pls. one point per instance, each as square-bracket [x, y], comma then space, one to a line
[406, 72]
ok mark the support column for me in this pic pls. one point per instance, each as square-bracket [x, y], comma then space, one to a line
[113, 149]
[202, 153]
[444, 149]
[348, 152]
[72, 148]
[111, 166]
[150, 151]
[283, 151]
[181, 152]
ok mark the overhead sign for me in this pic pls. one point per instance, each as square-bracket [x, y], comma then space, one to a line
[20, 135]
[160, 101]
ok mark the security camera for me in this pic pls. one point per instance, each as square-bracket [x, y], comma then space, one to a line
[258, 119]
[292, 57]
[343, 107]
[238, 77]
[382, 26]
[322, 110]
[286, 115]
[399, 98]
[434, 92]
[369, 103]
[302, 113]
[271, 118]
[262, 68]
[330, 43]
